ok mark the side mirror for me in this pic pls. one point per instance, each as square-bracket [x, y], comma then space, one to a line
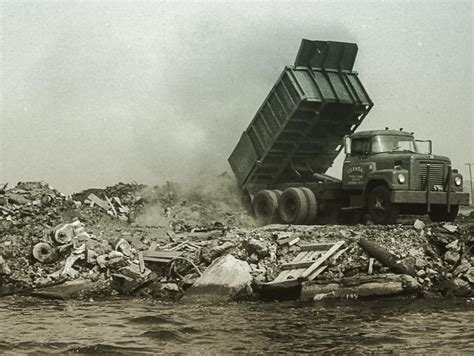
[430, 145]
[347, 145]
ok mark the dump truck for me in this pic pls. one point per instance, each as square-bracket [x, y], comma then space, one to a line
[310, 115]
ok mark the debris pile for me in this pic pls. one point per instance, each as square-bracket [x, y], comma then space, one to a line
[70, 253]
[29, 201]
[160, 241]
[121, 201]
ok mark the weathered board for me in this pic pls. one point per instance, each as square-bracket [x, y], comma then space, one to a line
[308, 264]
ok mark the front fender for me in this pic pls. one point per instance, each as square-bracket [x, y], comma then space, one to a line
[388, 177]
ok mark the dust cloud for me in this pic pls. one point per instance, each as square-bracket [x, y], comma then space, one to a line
[215, 200]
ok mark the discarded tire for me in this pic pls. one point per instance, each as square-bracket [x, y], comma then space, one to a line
[312, 205]
[293, 207]
[265, 207]
[43, 252]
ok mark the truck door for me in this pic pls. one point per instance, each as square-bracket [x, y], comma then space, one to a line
[357, 164]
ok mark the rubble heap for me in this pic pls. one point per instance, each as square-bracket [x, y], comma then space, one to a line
[169, 238]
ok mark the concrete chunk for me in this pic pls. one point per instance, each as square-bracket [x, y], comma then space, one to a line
[227, 278]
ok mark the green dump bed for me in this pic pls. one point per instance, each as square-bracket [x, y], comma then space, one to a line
[300, 126]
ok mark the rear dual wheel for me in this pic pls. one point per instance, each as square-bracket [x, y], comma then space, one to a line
[265, 206]
[298, 206]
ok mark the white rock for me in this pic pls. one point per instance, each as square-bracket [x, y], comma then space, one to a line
[227, 278]
[419, 225]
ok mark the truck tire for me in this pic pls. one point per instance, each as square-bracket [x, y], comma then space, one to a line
[312, 205]
[265, 207]
[381, 210]
[440, 213]
[293, 207]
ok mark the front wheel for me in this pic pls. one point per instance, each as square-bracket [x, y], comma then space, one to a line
[381, 209]
[440, 213]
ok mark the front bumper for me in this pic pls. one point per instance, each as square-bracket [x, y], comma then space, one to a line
[421, 197]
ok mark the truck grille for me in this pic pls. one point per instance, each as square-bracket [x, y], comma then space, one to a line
[437, 174]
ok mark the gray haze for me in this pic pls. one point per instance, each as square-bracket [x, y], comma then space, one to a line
[96, 93]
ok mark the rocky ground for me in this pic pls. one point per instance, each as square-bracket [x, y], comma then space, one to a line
[104, 236]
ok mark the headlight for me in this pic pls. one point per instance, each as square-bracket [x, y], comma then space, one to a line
[401, 178]
[458, 181]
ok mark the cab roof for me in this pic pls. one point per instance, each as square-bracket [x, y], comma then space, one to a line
[382, 132]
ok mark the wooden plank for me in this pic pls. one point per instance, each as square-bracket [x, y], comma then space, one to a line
[111, 205]
[141, 261]
[300, 256]
[162, 254]
[282, 276]
[317, 273]
[154, 259]
[316, 247]
[294, 241]
[322, 259]
[288, 240]
[296, 265]
[96, 200]
[312, 255]
[371, 265]
[296, 273]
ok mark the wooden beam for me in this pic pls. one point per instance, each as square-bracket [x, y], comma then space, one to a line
[296, 265]
[317, 247]
[162, 254]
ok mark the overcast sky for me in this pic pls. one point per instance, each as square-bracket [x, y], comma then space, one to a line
[96, 93]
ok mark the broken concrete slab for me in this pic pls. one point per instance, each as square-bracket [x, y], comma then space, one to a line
[96, 200]
[419, 225]
[227, 278]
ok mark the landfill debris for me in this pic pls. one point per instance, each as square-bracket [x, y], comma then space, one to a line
[419, 225]
[450, 227]
[43, 252]
[386, 258]
[158, 241]
[4, 269]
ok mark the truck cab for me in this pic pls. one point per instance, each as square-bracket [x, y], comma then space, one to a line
[386, 173]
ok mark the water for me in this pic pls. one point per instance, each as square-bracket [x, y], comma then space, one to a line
[148, 327]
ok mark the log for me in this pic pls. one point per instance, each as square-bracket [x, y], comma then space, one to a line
[78, 289]
[386, 257]
[360, 286]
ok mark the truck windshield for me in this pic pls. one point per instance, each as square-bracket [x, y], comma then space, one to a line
[393, 143]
